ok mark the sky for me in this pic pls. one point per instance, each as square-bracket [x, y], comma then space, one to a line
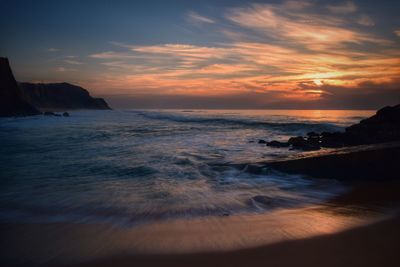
[210, 54]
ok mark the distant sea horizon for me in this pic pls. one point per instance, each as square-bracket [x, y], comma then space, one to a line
[283, 109]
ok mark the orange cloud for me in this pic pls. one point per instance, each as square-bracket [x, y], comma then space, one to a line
[313, 31]
[297, 54]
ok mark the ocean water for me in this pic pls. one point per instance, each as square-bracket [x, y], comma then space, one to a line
[126, 167]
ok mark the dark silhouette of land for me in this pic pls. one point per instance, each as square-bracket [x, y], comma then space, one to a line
[362, 163]
[382, 127]
[26, 99]
[11, 100]
[60, 96]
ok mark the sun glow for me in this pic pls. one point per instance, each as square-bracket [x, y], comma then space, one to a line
[318, 82]
[298, 55]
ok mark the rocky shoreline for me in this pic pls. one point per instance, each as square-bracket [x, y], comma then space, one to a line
[361, 163]
[366, 151]
[384, 126]
[364, 163]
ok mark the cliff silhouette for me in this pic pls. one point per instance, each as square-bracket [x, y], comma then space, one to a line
[60, 96]
[11, 99]
[25, 99]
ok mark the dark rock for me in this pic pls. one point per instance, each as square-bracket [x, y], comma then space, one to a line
[308, 147]
[384, 126]
[388, 114]
[332, 140]
[378, 163]
[297, 141]
[278, 144]
[27, 98]
[326, 134]
[314, 138]
[11, 100]
[313, 134]
[261, 141]
[302, 144]
[56, 96]
[66, 114]
[100, 103]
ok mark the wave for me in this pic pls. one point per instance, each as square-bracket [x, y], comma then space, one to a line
[152, 209]
[243, 122]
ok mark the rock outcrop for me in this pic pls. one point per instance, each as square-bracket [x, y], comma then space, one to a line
[383, 127]
[60, 96]
[25, 99]
[378, 162]
[11, 100]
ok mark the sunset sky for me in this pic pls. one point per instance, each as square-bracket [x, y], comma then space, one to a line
[210, 54]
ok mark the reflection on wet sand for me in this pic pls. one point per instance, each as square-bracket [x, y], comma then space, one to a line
[41, 243]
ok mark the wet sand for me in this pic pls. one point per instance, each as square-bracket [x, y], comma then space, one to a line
[372, 245]
[350, 230]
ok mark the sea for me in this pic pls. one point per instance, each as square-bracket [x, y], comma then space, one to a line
[129, 167]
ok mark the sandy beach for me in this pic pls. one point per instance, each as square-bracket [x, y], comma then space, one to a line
[350, 230]
[372, 245]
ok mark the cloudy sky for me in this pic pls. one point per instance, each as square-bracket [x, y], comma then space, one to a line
[211, 54]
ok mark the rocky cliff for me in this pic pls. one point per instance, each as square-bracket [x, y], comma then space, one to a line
[60, 96]
[11, 100]
[382, 127]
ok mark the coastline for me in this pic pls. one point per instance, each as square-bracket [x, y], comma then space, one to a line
[370, 245]
[344, 230]
[363, 163]
[354, 228]
[243, 133]
[338, 231]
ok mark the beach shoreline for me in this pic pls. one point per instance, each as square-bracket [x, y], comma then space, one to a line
[348, 219]
[354, 228]
[370, 245]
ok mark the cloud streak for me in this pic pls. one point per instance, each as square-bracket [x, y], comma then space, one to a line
[303, 28]
[365, 20]
[290, 51]
[199, 19]
[343, 8]
[73, 62]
